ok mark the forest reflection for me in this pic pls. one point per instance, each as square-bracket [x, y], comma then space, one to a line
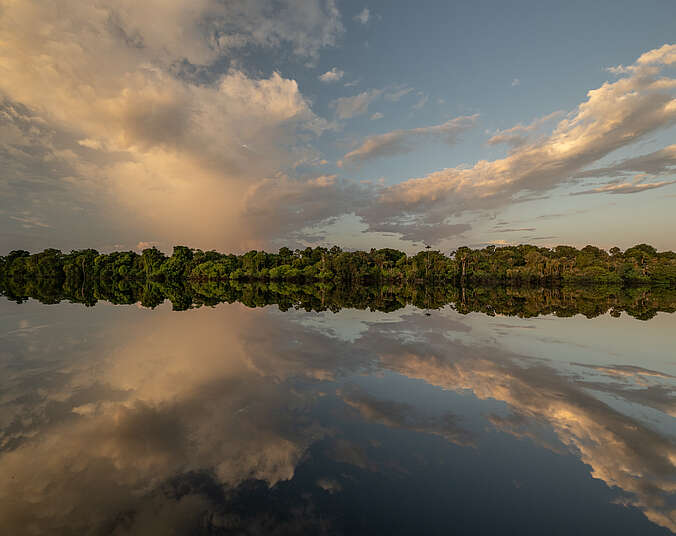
[523, 301]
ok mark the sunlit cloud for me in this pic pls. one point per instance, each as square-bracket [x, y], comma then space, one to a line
[519, 134]
[403, 141]
[123, 126]
[348, 107]
[614, 116]
[333, 75]
[625, 188]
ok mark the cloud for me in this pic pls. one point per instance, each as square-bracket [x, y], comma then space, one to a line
[348, 107]
[154, 127]
[518, 134]
[399, 415]
[616, 447]
[421, 101]
[289, 209]
[333, 75]
[516, 82]
[613, 116]
[404, 141]
[395, 96]
[377, 115]
[117, 421]
[655, 163]
[363, 16]
[516, 230]
[29, 221]
[129, 136]
[419, 232]
[665, 55]
[625, 188]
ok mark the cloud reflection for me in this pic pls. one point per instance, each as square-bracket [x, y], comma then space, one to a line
[228, 393]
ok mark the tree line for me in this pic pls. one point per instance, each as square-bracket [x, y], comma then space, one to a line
[509, 265]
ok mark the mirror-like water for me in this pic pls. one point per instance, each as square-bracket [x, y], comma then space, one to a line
[232, 420]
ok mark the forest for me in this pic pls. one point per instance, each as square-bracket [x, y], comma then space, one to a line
[509, 265]
[512, 280]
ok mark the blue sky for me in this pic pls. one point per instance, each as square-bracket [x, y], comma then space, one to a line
[243, 125]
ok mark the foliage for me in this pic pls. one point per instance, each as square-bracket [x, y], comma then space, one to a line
[509, 265]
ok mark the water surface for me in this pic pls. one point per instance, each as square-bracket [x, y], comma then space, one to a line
[232, 420]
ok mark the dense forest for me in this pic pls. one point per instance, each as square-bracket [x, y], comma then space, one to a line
[509, 265]
[518, 280]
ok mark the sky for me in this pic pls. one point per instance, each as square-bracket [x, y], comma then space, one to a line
[248, 124]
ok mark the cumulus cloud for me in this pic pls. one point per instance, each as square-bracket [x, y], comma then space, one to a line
[128, 134]
[613, 116]
[332, 75]
[403, 141]
[348, 107]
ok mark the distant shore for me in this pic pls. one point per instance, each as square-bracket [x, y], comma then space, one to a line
[509, 265]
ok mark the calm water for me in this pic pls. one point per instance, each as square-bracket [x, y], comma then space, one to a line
[230, 420]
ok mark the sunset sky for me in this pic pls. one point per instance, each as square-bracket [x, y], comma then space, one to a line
[250, 124]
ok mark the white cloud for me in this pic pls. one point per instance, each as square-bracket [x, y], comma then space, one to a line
[394, 96]
[363, 16]
[422, 100]
[377, 115]
[347, 107]
[614, 116]
[332, 75]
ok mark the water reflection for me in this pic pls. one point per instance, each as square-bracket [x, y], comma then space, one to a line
[120, 420]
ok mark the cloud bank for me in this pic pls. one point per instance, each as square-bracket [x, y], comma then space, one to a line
[615, 115]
